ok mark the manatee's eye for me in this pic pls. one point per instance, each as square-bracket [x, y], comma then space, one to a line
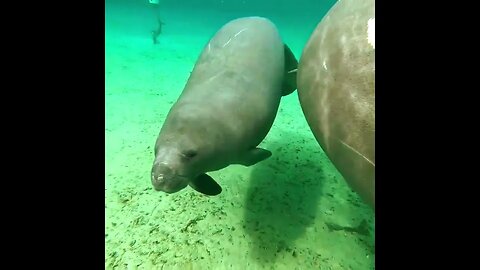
[190, 153]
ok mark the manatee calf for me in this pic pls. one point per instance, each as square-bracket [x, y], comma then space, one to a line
[226, 108]
[336, 79]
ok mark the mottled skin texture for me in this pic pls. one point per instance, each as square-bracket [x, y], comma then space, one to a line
[336, 88]
[226, 108]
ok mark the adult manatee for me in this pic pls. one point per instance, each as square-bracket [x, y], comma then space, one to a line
[226, 108]
[336, 82]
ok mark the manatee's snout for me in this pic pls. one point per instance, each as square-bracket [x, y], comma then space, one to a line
[165, 178]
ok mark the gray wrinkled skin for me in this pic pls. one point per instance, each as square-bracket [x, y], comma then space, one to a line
[336, 87]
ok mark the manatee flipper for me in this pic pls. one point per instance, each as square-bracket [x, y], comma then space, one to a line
[254, 156]
[206, 185]
[290, 79]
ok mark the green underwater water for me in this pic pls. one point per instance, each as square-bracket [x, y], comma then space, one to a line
[291, 211]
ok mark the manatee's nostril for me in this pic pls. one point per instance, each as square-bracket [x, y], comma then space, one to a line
[163, 170]
[162, 173]
[160, 178]
[164, 178]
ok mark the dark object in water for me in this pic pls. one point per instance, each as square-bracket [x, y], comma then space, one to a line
[361, 229]
[157, 32]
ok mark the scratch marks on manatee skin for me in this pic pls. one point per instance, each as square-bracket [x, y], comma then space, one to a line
[357, 152]
[240, 32]
[226, 43]
[293, 70]
[214, 76]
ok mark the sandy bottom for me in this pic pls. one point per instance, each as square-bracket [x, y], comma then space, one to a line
[292, 211]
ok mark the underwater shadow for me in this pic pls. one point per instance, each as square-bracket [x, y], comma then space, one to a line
[282, 196]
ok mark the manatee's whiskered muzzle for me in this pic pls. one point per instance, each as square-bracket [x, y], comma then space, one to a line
[164, 178]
